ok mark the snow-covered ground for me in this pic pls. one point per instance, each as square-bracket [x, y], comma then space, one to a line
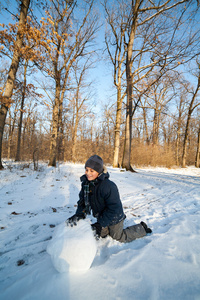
[163, 265]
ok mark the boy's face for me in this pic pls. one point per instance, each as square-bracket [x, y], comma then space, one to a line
[91, 174]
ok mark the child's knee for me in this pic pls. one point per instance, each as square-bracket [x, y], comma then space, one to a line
[104, 232]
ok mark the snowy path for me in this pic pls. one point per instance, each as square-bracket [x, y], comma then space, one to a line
[164, 265]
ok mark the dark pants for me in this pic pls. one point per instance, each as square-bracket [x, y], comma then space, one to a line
[124, 235]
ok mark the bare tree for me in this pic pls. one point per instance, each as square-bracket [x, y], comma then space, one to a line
[160, 97]
[68, 39]
[142, 17]
[6, 97]
[191, 108]
[114, 39]
[82, 94]
[11, 120]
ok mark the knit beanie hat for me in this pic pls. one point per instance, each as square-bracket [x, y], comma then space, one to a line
[95, 162]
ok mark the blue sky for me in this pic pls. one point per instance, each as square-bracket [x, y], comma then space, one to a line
[102, 74]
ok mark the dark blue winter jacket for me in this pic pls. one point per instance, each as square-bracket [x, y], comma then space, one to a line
[104, 200]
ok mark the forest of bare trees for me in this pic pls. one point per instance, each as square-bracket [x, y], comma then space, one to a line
[50, 55]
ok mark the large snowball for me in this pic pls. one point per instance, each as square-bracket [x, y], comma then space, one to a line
[72, 248]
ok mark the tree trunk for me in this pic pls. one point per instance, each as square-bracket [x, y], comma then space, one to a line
[156, 122]
[178, 132]
[9, 139]
[178, 140]
[117, 130]
[74, 140]
[61, 148]
[12, 72]
[60, 131]
[177, 146]
[186, 139]
[146, 132]
[197, 161]
[129, 81]
[11, 130]
[56, 110]
[191, 108]
[54, 136]
[55, 124]
[17, 158]
[128, 131]
[75, 129]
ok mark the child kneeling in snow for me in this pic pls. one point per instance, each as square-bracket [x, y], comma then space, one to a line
[100, 195]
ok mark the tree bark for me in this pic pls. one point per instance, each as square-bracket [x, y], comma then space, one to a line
[55, 124]
[17, 158]
[197, 161]
[6, 101]
[74, 139]
[63, 61]
[129, 81]
[146, 133]
[117, 130]
[191, 109]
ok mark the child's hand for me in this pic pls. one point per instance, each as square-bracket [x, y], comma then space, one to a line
[97, 228]
[72, 221]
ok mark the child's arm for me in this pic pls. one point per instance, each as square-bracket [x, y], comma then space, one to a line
[113, 212]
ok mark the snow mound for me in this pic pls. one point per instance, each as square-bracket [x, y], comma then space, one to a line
[72, 248]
